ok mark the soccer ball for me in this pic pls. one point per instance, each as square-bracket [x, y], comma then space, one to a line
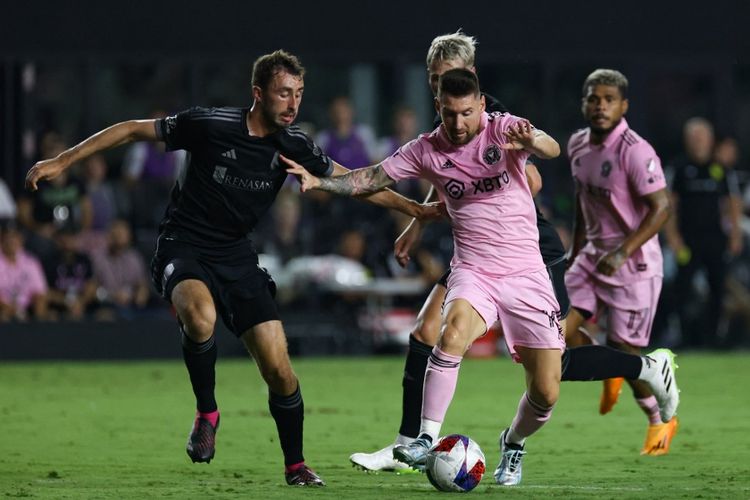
[455, 463]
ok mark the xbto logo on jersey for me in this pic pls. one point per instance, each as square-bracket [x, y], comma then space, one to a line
[489, 184]
[243, 183]
[455, 189]
[492, 154]
[606, 169]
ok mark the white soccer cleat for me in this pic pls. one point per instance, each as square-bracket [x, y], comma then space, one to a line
[509, 470]
[663, 383]
[381, 460]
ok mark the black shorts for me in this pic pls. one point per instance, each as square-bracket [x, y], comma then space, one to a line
[242, 291]
[556, 272]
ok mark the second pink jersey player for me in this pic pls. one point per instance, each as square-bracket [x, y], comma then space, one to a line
[494, 228]
[611, 180]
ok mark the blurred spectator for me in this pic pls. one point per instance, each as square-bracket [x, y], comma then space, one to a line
[705, 194]
[735, 325]
[404, 130]
[8, 210]
[121, 272]
[151, 162]
[23, 289]
[352, 246]
[108, 202]
[61, 201]
[72, 289]
[282, 235]
[423, 263]
[149, 172]
[727, 152]
[345, 142]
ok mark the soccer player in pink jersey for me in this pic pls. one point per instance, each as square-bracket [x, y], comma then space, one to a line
[621, 204]
[446, 52]
[477, 161]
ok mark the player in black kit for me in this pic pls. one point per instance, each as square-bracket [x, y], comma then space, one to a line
[204, 261]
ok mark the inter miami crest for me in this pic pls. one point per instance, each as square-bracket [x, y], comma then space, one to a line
[606, 168]
[491, 154]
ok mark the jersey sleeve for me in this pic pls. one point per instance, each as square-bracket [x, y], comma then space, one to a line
[178, 131]
[299, 147]
[643, 168]
[406, 162]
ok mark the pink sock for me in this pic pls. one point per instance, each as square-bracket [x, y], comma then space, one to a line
[651, 408]
[293, 467]
[212, 417]
[530, 417]
[439, 384]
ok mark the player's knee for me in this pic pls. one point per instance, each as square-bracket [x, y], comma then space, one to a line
[453, 339]
[427, 330]
[545, 392]
[199, 321]
[280, 379]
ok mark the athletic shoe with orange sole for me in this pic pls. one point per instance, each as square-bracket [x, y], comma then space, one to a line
[610, 393]
[659, 437]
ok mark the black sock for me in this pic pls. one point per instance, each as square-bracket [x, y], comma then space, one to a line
[597, 362]
[200, 360]
[289, 412]
[413, 383]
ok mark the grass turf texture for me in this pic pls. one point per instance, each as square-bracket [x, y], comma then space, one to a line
[118, 430]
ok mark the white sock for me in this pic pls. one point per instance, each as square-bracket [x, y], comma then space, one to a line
[431, 428]
[401, 439]
[513, 438]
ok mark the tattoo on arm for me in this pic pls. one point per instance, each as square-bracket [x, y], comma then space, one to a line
[362, 181]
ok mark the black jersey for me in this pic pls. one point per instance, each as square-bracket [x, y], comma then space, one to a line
[701, 188]
[232, 178]
[550, 246]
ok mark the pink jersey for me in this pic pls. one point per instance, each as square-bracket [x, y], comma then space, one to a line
[21, 280]
[611, 180]
[485, 191]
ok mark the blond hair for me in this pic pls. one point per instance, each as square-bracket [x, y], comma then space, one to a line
[451, 46]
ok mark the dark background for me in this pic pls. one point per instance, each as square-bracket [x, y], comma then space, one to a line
[76, 67]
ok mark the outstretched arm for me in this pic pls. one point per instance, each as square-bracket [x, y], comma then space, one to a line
[357, 182]
[390, 199]
[116, 135]
[523, 136]
[369, 182]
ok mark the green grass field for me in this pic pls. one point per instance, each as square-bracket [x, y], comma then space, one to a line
[118, 430]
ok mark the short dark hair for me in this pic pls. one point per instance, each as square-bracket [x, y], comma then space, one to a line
[609, 77]
[458, 82]
[268, 65]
